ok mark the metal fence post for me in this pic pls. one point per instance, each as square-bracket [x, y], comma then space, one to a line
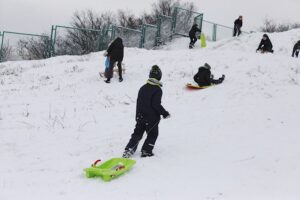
[113, 32]
[143, 36]
[214, 36]
[1, 46]
[99, 41]
[51, 41]
[174, 20]
[157, 40]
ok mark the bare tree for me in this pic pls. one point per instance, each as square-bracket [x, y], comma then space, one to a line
[34, 48]
[6, 52]
[270, 26]
[88, 34]
[127, 19]
[148, 18]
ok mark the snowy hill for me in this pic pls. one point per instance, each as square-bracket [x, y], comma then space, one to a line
[238, 140]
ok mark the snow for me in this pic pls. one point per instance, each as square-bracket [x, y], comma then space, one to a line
[238, 140]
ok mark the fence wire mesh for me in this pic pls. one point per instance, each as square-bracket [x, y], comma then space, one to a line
[78, 41]
[184, 19]
[165, 29]
[150, 34]
[23, 46]
[75, 41]
[130, 37]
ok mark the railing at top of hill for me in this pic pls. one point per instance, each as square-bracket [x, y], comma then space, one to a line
[85, 40]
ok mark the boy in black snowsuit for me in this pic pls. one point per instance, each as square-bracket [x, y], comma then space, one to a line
[192, 34]
[296, 49]
[148, 112]
[238, 23]
[115, 52]
[205, 78]
[265, 45]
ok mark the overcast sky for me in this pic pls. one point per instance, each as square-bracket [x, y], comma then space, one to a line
[36, 16]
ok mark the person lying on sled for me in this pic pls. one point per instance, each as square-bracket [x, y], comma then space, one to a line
[205, 78]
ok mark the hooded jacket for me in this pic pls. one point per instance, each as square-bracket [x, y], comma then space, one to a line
[265, 45]
[296, 47]
[238, 23]
[148, 106]
[116, 50]
[203, 77]
[194, 29]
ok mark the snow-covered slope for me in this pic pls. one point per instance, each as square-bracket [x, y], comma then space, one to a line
[238, 140]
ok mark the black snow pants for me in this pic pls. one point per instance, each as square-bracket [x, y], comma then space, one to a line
[110, 71]
[193, 39]
[237, 31]
[141, 126]
[297, 53]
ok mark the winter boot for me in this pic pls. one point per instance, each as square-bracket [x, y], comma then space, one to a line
[127, 153]
[146, 154]
[107, 81]
[120, 79]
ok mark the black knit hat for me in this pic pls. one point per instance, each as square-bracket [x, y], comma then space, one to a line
[207, 66]
[155, 72]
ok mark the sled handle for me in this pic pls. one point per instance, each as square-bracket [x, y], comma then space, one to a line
[95, 163]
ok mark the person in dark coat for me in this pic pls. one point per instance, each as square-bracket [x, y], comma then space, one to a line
[148, 112]
[115, 52]
[192, 34]
[265, 45]
[296, 49]
[205, 78]
[238, 23]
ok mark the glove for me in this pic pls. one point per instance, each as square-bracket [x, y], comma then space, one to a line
[166, 115]
[222, 78]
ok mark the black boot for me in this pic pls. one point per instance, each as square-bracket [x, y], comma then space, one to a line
[146, 154]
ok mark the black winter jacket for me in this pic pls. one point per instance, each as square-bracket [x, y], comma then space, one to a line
[203, 77]
[238, 23]
[115, 50]
[296, 47]
[148, 105]
[194, 29]
[265, 45]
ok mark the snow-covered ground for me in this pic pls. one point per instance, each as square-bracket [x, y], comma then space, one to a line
[238, 140]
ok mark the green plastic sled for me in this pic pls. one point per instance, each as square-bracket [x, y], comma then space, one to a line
[109, 169]
[203, 40]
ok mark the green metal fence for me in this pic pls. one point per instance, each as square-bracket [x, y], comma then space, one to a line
[75, 41]
[164, 32]
[7, 52]
[149, 36]
[85, 40]
[183, 20]
[1, 46]
[131, 37]
[215, 32]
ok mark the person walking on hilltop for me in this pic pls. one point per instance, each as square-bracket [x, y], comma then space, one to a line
[265, 45]
[296, 49]
[115, 53]
[238, 23]
[192, 35]
[148, 112]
